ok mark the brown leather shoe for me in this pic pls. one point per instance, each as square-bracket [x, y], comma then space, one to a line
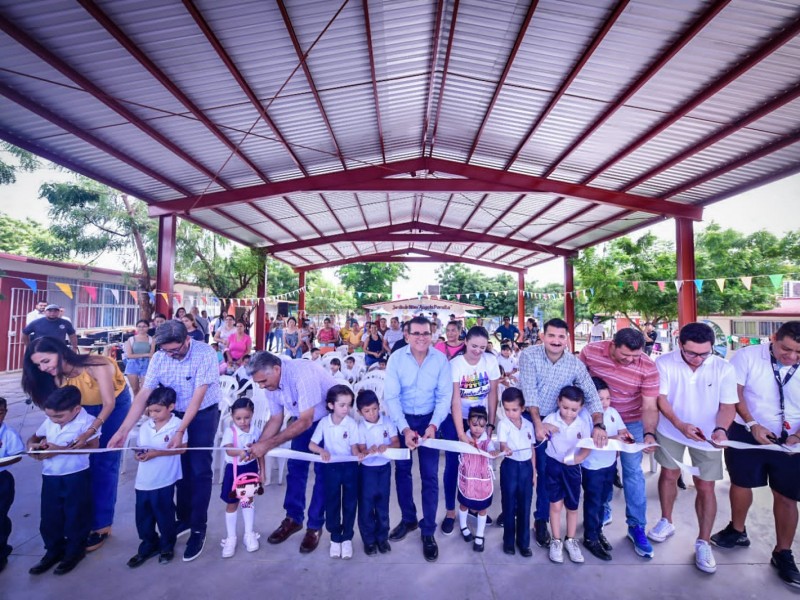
[287, 527]
[310, 541]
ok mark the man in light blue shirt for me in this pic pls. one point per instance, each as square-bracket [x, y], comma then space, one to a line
[418, 391]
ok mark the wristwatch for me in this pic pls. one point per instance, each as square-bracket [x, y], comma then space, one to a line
[600, 425]
[749, 425]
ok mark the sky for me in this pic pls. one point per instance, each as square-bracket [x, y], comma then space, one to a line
[773, 207]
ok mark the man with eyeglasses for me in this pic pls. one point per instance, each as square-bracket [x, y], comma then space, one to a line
[190, 368]
[632, 379]
[697, 401]
[417, 391]
[768, 413]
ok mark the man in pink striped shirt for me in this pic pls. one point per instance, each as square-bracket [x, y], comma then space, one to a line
[633, 381]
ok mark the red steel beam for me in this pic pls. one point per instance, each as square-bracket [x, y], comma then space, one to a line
[302, 56]
[437, 27]
[66, 125]
[101, 96]
[684, 251]
[108, 24]
[618, 10]
[165, 264]
[371, 53]
[569, 301]
[446, 207]
[239, 78]
[695, 28]
[503, 76]
[445, 69]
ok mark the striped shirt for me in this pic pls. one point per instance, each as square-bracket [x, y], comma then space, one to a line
[198, 367]
[627, 383]
[541, 380]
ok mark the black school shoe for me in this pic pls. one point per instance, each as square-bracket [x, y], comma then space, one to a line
[526, 552]
[137, 560]
[604, 542]
[597, 549]
[47, 562]
[384, 547]
[69, 563]
[541, 534]
[402, 530]
[447, 525]
[371, 549]
[787, 569]
[430, 550]
[166, 557]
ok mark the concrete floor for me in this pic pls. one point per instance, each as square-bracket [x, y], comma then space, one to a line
[403, 573]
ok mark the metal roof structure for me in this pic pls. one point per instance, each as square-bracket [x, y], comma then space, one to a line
[493, 132]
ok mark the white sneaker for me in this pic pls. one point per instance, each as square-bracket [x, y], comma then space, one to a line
[556, 551]
[704, 557]
[228, 547]
[347, 549]
[571, 544]
[662, 530]
[251, 541]
[336, 550]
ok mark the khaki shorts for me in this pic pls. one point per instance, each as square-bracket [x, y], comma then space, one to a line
[708, 461]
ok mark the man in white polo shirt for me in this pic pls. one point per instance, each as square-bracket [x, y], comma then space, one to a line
[697, 401]
[768, 411]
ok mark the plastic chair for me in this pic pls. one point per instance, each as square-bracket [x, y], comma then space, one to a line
[371, 383]
[271, 462]
[375, 374]
[130, 442]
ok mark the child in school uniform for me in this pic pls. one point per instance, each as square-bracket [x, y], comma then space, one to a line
[158, 471]
[336, 369]
[598, 471]
[239, 437]
[338, 432]
[515, 435]
[377, 432]
[350, 371]
[563, 480]
[10, 445]
[66, 502]
[475, 486]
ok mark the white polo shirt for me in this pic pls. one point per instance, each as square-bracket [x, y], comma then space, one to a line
[10, 443]
[519, 440]
[65, 464]
[754, 372]
[376, 434]
[563, 443]
[695, 396]
[340, 438]
[161, 471]
[242, 439]
[600, 459]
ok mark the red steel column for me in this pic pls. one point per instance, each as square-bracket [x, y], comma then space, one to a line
[301, 300]
[261, 310]
[165, 270]
[521, 300]
[684, 251]
[569, 300]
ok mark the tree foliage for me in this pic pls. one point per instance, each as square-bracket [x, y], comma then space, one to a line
[457, 278]
[19, 236]
[370, 277]
[20, 160]
[325, 297]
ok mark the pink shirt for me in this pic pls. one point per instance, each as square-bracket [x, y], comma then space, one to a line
[448, 351]
[627, 384]
[238, 347]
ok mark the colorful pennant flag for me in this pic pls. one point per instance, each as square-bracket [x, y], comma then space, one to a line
[66, 289]
[92, 291]
[31, 283]
[721, 283]
[747, 282]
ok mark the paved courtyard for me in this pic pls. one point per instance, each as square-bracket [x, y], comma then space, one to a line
[459, 573]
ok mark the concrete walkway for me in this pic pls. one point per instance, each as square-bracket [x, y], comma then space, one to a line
[403, 573]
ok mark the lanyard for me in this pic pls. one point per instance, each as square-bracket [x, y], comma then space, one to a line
[781, 383]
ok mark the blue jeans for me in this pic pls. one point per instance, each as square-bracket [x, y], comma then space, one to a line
[633, 481]
[194, 490]
[429, 475]
[104, 466]
[294, 502]
[278, 340]
[297, 354]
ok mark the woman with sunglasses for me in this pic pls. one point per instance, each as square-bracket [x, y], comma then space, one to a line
[50, 364]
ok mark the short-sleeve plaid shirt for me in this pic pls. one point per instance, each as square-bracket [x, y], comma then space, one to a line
[198, 367]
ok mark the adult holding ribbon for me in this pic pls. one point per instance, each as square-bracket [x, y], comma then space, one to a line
[768, 412]
[697, 400]
[417, 391]
[544, 370]
[633, 380]
[190, 368]
[475, 374]
[50, 364]
[299, 388]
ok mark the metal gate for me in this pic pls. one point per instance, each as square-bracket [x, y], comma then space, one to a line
[23, 301]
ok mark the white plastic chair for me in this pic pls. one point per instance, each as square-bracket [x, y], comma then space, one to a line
[375, 374]
[342, 350]
[371, 383]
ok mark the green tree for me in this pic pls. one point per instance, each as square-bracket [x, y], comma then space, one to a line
[326, 297]
[20, 160]
[376, 278]
[551, 306]
[20, 236]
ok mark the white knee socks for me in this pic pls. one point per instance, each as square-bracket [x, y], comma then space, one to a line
[230, 524]
[480, 529]
[248, 516]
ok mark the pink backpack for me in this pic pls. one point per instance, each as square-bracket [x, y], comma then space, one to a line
[475, 478]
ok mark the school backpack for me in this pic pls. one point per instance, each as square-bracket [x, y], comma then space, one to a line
[475, 478]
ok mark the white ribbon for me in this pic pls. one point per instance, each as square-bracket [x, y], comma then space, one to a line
[453, 446]
[794, 449]
[614, 446]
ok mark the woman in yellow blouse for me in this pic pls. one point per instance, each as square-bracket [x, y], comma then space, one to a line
[49, 364]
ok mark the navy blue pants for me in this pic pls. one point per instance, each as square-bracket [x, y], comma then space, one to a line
[597, 486]
[6, 500]
[450, 478]
[341, 500]
[194, 490]
[429, 476]
[374, 489]
[294, 502]
[516, 487]
[66, 512]
[156, 507]
[542, 510]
